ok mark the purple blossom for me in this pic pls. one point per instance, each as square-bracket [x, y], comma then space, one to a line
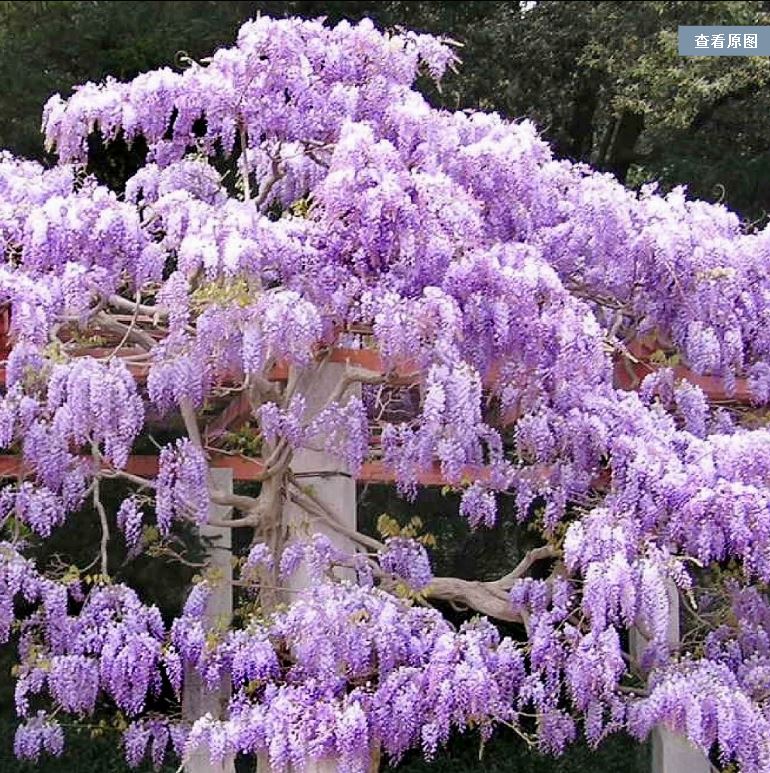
[455, 246]
[182, 489]
[260, 556]
[74, 682]
[97, 403]
[39, 508]
[135, 740]
[408, 560]
[38, 735]
[478, 506]
[129, 519]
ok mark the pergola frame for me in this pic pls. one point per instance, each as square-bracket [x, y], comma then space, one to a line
[629, 370]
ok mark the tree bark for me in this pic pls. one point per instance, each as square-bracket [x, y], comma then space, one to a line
[622, 152]
[332, 485]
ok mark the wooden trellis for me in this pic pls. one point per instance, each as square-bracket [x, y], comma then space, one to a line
[628, 374]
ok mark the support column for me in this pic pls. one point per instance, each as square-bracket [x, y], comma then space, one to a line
[197, 700]
[671, 752]
[331, 484]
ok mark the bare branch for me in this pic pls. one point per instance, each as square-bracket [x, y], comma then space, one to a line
[353, 375]
[489, 598]
[236, 523]
[532, 557]
[295, 375]
[129, 329]
[105, 528]
[238, 501]
[261, 390]
[137, 479]
[482, 596]
[266, 188]
[257, 509]
[190, 421]
[174, 555]
[275, 176]
[117, 302]
[268, 471]
[137, 336]
[314, 507]
[244, 161]
[276, 453]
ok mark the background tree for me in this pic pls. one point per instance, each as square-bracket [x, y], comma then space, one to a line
[602, 80]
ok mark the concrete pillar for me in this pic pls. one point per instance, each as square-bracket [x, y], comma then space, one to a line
[332, 485]
[671, 752]
[196, 700]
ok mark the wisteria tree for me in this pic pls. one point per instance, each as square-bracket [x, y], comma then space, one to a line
[366, 279]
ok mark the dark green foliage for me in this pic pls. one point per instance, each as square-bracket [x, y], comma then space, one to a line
[506, 753]
[84, 754]
[602, 80]
[461, 551]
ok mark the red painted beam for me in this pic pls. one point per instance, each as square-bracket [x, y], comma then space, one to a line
[235, 414]
[238, 410]
[244, 469]
[146, 465]
[629, 375]
[248, 469]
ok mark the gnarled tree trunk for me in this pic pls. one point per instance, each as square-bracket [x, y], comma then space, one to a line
[325, 478]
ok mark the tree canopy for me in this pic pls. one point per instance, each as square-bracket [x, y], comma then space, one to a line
[299, 208]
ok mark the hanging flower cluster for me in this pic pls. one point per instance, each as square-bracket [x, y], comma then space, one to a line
[182, 487]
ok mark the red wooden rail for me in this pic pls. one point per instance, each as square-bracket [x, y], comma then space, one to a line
[628, 375]
[248, 469]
